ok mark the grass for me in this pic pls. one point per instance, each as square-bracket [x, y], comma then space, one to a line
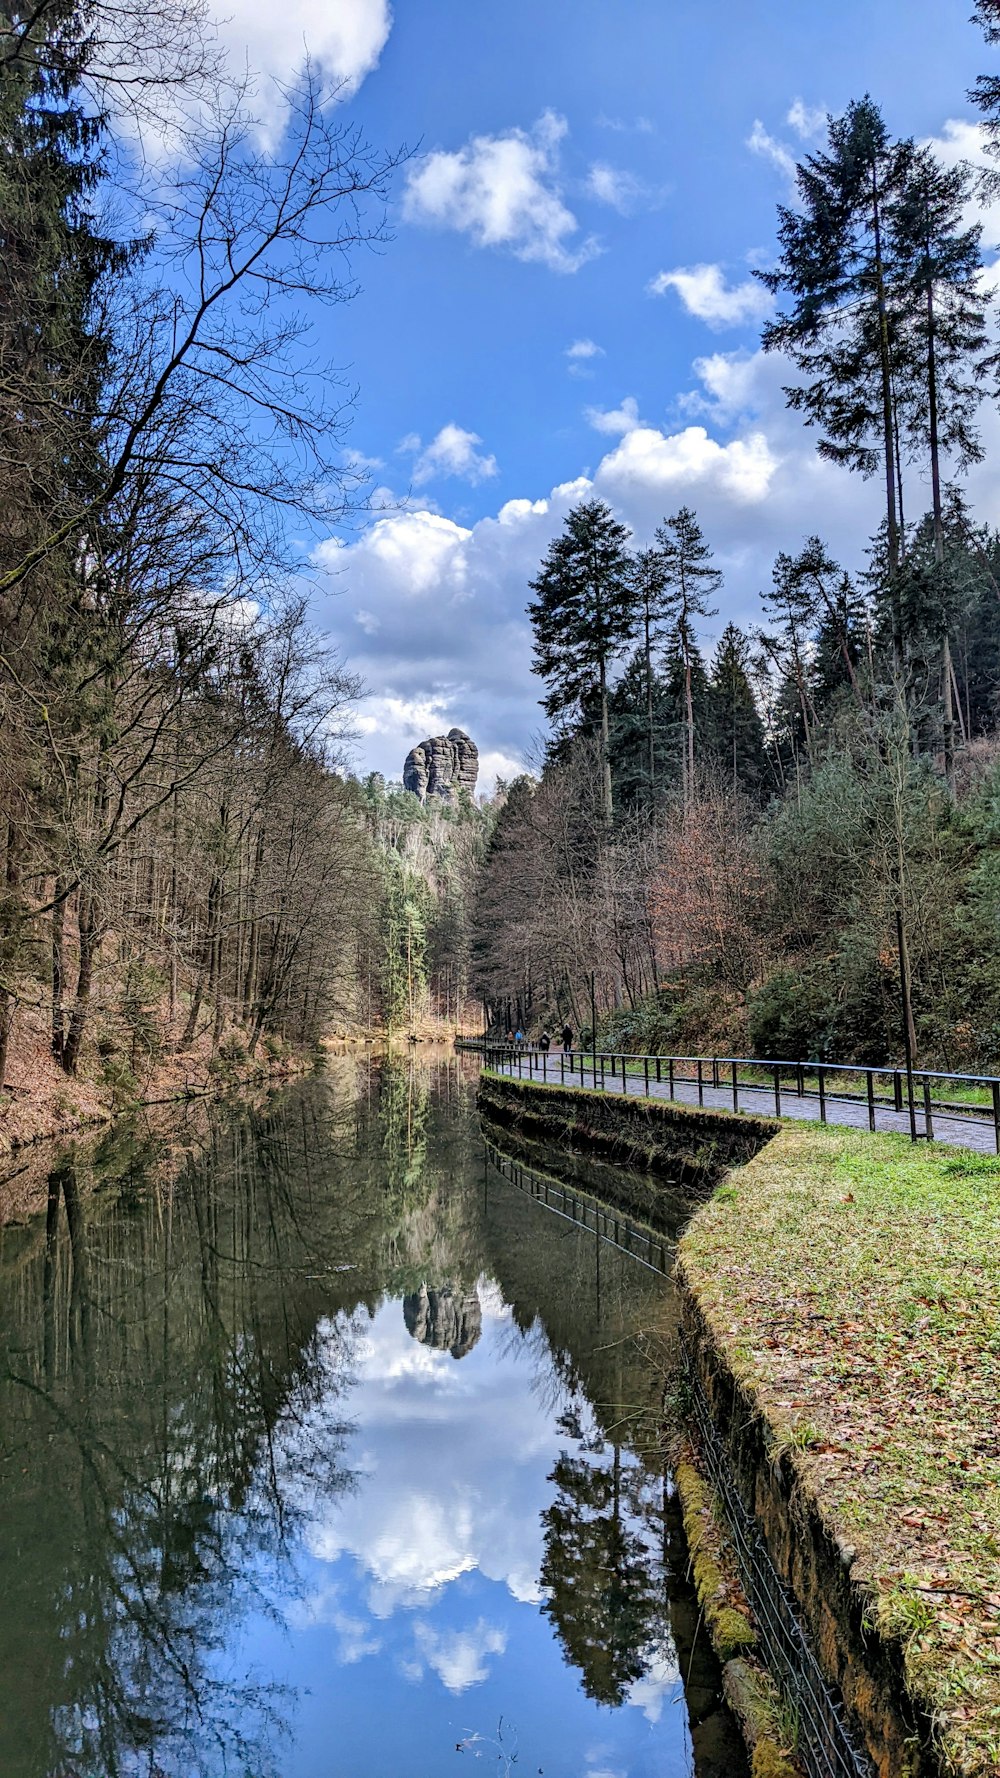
[854, 1283]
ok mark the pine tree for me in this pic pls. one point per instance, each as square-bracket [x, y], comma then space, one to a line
[985, 94]
[939, 259]
[689, 581]
[843, 327]
[583, 618]
[739, 731]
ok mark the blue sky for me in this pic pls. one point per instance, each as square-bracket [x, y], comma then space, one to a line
[567, 306]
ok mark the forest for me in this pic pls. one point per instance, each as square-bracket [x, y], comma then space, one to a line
[789, 849]
[187, 860]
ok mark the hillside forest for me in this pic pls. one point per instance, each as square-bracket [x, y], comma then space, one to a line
[718, 844]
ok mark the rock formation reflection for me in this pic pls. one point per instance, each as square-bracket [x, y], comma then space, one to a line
[449, 1319]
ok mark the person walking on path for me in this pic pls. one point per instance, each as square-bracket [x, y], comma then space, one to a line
[567, 1039]
[544, 1042]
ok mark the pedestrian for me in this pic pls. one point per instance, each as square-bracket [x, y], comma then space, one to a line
[510, 1035]
[543, 1043]
[567, 1039]
[519, 1037]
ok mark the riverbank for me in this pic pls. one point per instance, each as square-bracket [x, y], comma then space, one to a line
[841, 1300]
[39, 1100]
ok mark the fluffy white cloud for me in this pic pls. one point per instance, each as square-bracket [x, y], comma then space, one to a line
[616, 420]
[502, 191]
[704, 292]
[743, 469]
[584, 349]
[452, 452]
[615, 186]
[271, 41]
[761, 142]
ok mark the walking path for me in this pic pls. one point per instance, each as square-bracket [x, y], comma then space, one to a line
[957, 1131]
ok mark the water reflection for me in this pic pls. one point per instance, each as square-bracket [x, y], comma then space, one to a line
[319, 1456]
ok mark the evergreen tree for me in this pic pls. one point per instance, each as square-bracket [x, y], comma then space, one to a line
[939, 259]
[649, 592]
[739, 731]
[985, 94]
[583, 616]
[689, 581]
[843, 326]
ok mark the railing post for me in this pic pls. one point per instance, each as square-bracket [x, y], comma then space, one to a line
[871, 1100]
[897, 1090]
[645, 1074]
[545, 1064]
[928, 1117]
[624, 1077]
[701, 1085]
[777, 1090]
[659, 1076]
[821, 1077]
[670, 1071]
[801, 1076]
[602, 1059]
[715, 1071]
[562, 1067]
[736, 1088]
[996, 1113]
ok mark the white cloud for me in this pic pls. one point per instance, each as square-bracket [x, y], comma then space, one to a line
[704, 292]
[584, 349]
[615, 420]
[344, 41]
[452, 452]
[760, 142]
[502, 191]
[742, 469]
[459, 1657]
[615, 186]
[808, 121]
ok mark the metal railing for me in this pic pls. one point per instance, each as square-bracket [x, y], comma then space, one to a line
[913, 1094]
[823, 1740]
[645, 1245]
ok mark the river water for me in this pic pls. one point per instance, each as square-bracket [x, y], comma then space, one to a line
[327, 1450]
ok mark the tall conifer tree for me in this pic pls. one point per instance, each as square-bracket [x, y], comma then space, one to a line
[689, 582]
[583, 617]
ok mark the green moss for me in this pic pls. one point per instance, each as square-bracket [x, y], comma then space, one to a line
[769, 1762]
[732, 1633]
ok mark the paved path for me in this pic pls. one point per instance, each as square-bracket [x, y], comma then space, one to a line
[958, 1132]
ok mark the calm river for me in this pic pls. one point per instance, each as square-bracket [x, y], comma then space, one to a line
[328, 1452]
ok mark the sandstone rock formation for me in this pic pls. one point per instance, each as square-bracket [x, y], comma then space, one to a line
[447, 1319]
[442, 767]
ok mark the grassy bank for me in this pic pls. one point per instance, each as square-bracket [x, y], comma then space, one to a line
[852, 1284]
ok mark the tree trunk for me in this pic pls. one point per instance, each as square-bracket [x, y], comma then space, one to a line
[932, 418]
[58, 971]
[607, 798]
[89, 946]
[888, 433]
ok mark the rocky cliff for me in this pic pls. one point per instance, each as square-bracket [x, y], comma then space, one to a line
[442, 766]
